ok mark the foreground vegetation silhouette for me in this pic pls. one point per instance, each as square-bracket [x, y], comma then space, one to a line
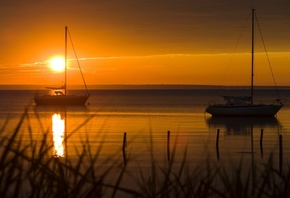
[30, 170]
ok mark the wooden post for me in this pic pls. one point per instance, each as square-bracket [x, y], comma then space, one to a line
[124, 141]
[261, 143]
[124, 148]
[280, 153]
[217, 137]
[217, 143]
[168, 145]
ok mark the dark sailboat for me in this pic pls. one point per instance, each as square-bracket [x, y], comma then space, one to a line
[59, 95]
[244, 105]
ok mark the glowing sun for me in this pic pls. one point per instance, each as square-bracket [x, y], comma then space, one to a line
[57, 64]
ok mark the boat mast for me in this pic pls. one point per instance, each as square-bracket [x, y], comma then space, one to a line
[65, 59]
[252, 68]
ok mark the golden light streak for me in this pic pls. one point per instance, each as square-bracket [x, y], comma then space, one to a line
[182, 68]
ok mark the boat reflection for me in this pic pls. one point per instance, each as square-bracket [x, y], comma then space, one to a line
[242, 125]
[235, 128]
[58, 133]
[53, 109]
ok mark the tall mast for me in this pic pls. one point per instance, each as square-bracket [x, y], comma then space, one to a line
[252, 68]
[65, 59]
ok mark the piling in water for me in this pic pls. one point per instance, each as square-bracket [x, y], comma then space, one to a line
[280, 153]
[124, 148]
[168, 145]
[217, 143]
[261, 143]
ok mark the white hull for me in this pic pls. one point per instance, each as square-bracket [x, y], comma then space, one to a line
[244, 110]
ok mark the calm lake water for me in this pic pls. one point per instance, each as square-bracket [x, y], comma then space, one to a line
[146, 116]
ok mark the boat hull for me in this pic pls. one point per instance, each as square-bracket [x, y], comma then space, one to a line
[245, 110]
[61, 100]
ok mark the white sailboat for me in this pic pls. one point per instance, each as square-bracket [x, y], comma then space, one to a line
[59, 96]
[244, 105]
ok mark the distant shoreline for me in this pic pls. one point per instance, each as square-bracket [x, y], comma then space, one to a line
[112, 87]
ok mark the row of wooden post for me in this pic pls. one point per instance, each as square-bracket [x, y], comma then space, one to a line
[125, 143]
[217, 147]
[261, 147]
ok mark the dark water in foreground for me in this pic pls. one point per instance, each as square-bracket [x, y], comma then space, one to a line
[147, 116]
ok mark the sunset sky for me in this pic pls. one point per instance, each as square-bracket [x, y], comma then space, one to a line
[144, 41]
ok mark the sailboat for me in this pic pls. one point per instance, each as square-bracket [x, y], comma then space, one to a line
[60, 96]
[244, 105]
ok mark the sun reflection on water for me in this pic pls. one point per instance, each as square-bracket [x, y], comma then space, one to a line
[58, 127]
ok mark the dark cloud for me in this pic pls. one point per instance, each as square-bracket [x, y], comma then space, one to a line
[131, 27]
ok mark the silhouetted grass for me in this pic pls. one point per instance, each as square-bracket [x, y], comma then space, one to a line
[29, 170]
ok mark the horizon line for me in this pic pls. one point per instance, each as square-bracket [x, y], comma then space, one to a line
[134, 86]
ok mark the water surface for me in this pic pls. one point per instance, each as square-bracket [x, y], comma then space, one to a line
[146, 116]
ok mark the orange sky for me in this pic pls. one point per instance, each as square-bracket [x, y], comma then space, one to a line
[143, 42]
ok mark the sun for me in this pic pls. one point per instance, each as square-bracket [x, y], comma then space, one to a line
[57, 64]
